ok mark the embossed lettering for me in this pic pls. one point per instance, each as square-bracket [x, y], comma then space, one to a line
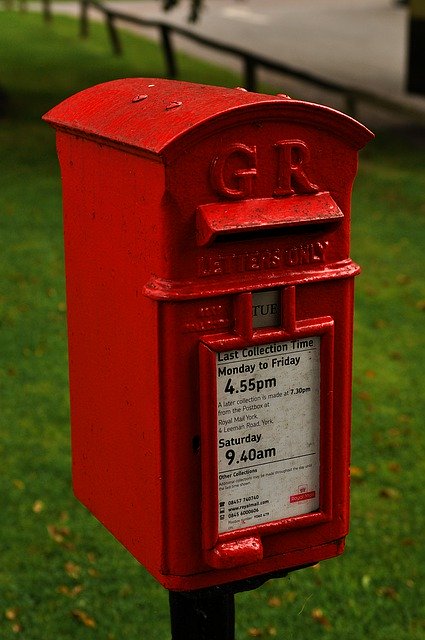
[208, 317]
[237, 183]
[306, 253]
[293, 158]
[223, 264]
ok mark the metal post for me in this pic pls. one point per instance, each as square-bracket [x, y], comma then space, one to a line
[202, 615]
[209, 614]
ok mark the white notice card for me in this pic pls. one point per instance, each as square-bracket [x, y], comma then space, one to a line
[268, 421]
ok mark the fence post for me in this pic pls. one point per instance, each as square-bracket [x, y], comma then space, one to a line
[250, 82]
[350, 105]
[416, 48]
[84, 18]
[47, 10]
[113, 33]
[167, 46]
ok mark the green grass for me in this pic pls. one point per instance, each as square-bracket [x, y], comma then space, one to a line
[61, 573]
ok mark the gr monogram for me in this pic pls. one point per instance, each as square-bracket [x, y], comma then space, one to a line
[234, 172]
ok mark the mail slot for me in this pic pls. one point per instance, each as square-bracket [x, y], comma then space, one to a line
[210, 315]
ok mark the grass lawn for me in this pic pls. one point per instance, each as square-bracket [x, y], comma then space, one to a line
[62, 575]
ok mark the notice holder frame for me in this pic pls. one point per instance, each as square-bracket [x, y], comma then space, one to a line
[243, 546]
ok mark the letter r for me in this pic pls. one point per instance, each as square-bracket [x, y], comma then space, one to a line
[293, 157]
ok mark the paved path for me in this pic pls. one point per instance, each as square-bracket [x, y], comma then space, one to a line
[359, 43]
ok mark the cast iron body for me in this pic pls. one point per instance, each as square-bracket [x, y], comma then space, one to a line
[181, 202]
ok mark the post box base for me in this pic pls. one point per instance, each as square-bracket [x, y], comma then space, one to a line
[246, 578]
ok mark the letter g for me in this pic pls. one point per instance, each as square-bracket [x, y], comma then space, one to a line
[234, 183]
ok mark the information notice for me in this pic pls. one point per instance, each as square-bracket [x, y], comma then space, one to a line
[268, 422]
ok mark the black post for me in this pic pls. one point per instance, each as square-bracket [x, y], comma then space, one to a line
[167, 46]
[202, 615]
[209, 614]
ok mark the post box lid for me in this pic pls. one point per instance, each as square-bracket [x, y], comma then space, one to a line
[153, 116]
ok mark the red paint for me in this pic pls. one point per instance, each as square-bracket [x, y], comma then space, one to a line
[263, 214]
[244, 550]
[181, 200]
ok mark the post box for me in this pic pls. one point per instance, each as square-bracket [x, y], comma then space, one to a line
[210, 315]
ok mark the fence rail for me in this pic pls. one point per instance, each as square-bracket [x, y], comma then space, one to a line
[251, 61]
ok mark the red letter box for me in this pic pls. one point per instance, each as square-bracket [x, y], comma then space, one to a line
[210, 311]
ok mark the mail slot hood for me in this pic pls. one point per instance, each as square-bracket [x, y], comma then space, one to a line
[263, 214]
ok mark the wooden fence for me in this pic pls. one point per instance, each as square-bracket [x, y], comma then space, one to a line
[251, 61]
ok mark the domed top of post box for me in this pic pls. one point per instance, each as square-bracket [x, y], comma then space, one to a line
[155, 116]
